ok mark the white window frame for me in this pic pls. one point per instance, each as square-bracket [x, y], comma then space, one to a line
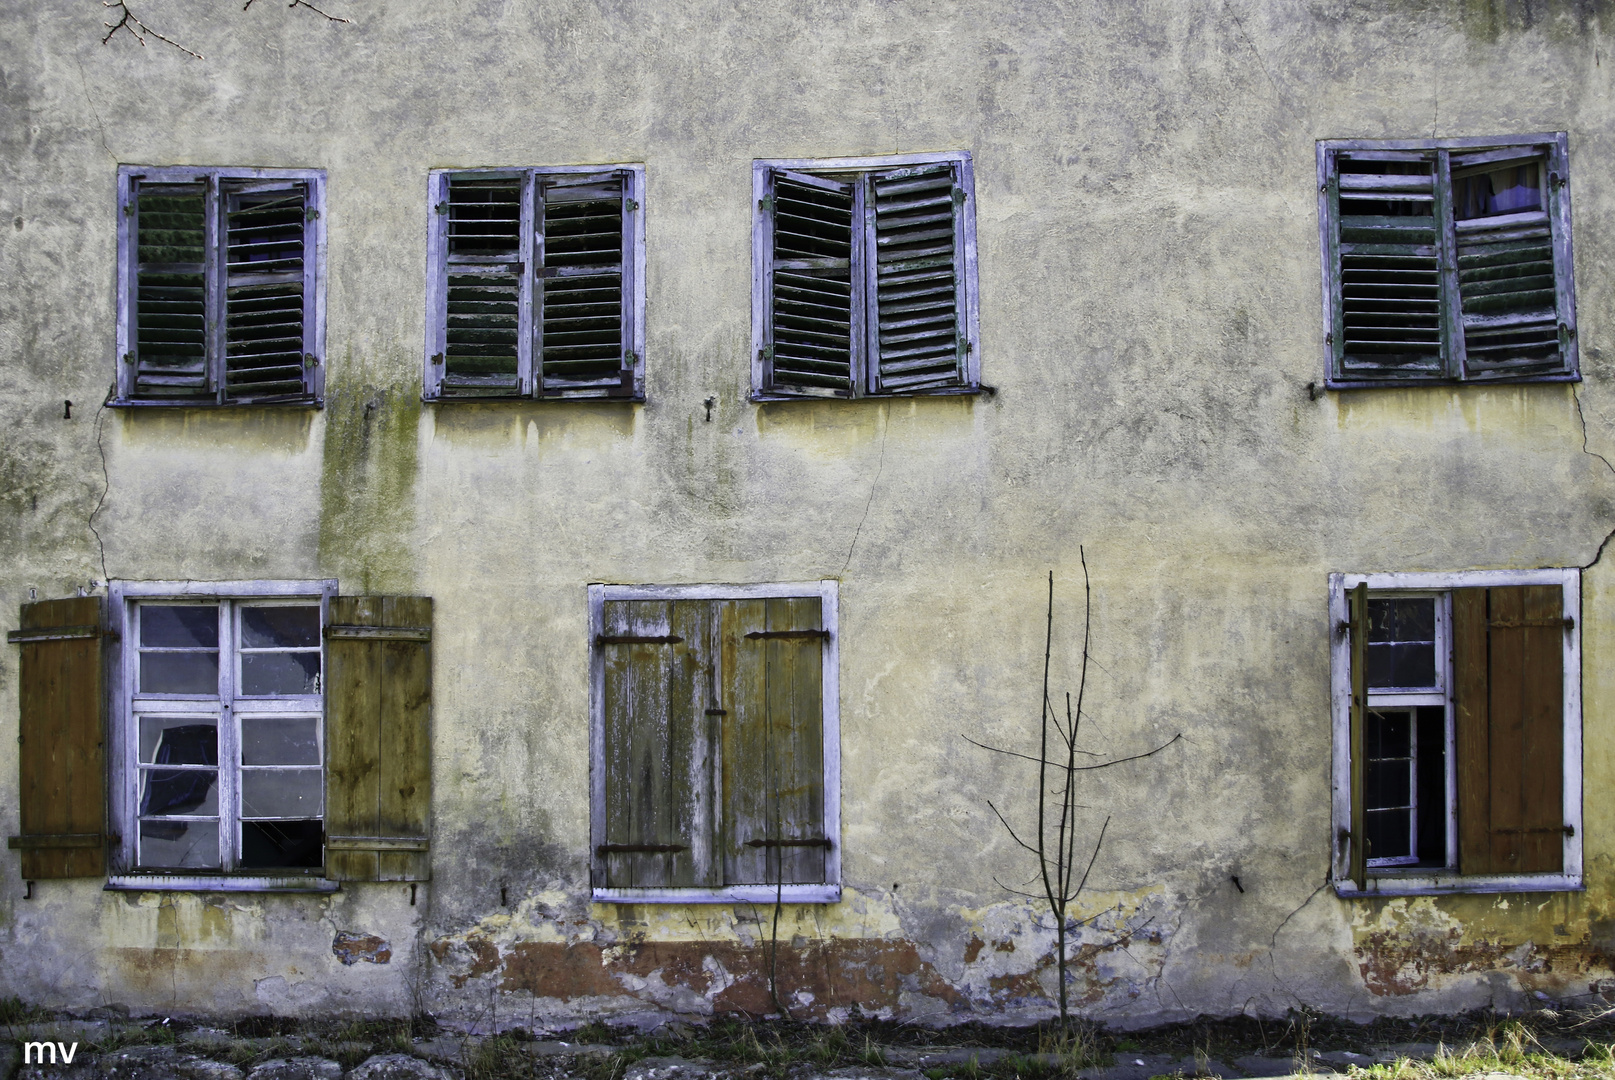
[123, 741]
[1388, 880]
[762, 257]
[827, 592]
[530, 371]
[313, 308]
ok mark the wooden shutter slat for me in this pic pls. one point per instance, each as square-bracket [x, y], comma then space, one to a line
[61, 757]
[1508, 656]
[378, 769]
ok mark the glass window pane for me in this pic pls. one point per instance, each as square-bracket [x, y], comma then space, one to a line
[178, 740]
[179, 673]
[292, 740]
[1388, 784]
[179, 844]
[1405, 664]
[288, 793]
[292, 844]
[280, 627]
[280, 673]
[179, 791]
[179, 626]
[1508, 189]
[1401, 642]
[1388, 735]
[1390, 834]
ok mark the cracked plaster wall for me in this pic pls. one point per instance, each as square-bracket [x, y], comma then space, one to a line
[1150, 315]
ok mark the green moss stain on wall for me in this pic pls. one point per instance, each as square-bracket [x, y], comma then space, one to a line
[367, 488]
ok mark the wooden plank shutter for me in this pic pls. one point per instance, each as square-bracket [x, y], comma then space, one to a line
[485, 246]
[1385, 278]
[267, 294]
[378, 779]
[773, 743]
[584, 265]
[1508, 669]
[661, 712]
[1508, 263]
[61, 761]
[172, 234]
[1358, 838]
[813, 285]
[915, 271]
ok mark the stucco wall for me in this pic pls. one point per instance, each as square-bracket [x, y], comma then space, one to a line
[1150, 315]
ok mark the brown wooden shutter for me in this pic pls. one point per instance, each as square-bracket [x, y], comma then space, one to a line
[61, 761]
[1508, 667]
[915, 268]
[1358, 838]
[661, 716]
[773, 743]
[378, 772]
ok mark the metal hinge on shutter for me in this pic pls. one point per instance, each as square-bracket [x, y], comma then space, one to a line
[647, 849]
[53, 841]
[339, 632]
[637, 639]
[812, 841]
[777, 634]
[52, 633]
[766, 204]
[377, 843]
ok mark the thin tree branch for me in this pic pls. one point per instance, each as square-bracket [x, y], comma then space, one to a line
[1011, 831]
[1092, 858]
[137, 29]
[306, 4]
[1078, 768]
[1012, 753]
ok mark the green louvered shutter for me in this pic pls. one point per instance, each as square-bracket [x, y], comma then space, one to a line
[268, 288]
[814, 296]
[486, 288]
[584, 259]
[170, 333]
[915, 271]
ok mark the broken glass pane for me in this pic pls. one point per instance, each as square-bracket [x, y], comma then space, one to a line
[178, 740]
[179, 791]
[264, 673]
[290, 844]
[287, 793]
[280, 627]
[179, 844]
[1511, 189]
[280, 740]
[179, 626]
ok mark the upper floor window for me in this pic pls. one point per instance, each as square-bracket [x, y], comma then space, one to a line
[537, 283]
[864, 277]
[220, 291]
[1447, 260]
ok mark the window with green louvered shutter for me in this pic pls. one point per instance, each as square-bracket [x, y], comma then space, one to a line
[865, 277]
[1447, 261]
[220, 293]
[714, 741]
[536, 284]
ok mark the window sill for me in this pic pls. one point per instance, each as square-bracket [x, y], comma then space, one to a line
[300, 402]
[209, 883]
[762, 397]
[754, 894]
[1401, 384]
[518, 399]
[1446, 883]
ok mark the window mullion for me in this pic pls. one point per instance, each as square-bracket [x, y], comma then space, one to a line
[1453, 355]
[229, 741]
[213, 276]
[865, 294]
[530, 308]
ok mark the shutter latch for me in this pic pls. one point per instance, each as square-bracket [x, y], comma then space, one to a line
[766, 354]
[630, 359]
[437, 359]
[766, 204]
[442, 207]
[630, 205]
[310, 360]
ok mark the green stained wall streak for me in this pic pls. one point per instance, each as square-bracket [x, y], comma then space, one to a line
[367, 488]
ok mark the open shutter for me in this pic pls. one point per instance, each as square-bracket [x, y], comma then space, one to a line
[61, 761]
[815, 300]
[1385, 279]
[268, 298]
[773, 742]
[1508, 667]
[485, 289]
[661, 712]
[915, 226]
[378, 779]
[172, 230]
[1358, 838]
[1509, 263]
[584, 265]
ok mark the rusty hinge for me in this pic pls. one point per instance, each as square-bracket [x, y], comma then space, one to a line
[776, 634]
[637, 639]
[310, 360]
[766, 354]
[630, 205]
[812, 841]
[1516, 624]
[649, 849]
[958, 197]
[311, 214]
[437, 359]
[442, 207]
[766, 204]
[1556, 180]
[348, 632]
[52, 633]
[717, 712]
[128, 357]
[1568, 830]
[1329, 338]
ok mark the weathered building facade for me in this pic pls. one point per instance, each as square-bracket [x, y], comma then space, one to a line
[573, 475]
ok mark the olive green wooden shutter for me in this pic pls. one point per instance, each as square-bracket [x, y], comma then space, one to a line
[1358, 839]
[378, 780]
[584, 261]
[773, 742]
[61, 761]
[173, 233]
[813, 285]
[915, 272]
[1508, 667]
[1385, 238]
[268, 288]
[661, 714]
